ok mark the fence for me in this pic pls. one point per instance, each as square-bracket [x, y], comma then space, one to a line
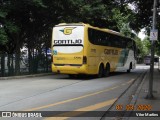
[40, 63]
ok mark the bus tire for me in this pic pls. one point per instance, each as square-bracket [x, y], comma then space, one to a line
[107, 70]
[130, 67]
[100, 71]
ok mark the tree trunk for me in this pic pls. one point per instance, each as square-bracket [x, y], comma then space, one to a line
[3, 64]
[9, 64]
[17, 61]
[12, 65]
[30, 61]
[34, 61]
[46, 60]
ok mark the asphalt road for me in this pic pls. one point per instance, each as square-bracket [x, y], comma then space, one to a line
[60, 93]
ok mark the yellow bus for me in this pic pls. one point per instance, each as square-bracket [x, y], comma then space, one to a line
[80, 48]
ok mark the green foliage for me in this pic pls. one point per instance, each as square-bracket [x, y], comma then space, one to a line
[39, 3]
[3, 36]
[139, 47]
[122, 18]
[126, 30]
[143, 47]
[143, 13]
[158, 48]
[3, 14]
[146, 46]
[11, 28]
[146, 42]
[28, 22]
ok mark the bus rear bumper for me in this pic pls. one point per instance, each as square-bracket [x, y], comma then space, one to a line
[70, 69]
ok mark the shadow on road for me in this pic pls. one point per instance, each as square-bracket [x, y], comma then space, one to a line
[89, 77]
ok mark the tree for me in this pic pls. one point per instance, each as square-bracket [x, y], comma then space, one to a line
[29, 22]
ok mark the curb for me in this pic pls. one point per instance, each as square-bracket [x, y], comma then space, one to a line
[25, 76]
[134, 100]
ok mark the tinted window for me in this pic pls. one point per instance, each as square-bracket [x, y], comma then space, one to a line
[103, 38]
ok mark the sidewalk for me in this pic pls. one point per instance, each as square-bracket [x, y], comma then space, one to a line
[141, 101]
[26, 76]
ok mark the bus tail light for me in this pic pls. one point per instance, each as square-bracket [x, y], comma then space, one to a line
[84, 60]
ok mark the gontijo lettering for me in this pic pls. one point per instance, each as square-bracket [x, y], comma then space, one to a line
[78, 41]
[110, 52]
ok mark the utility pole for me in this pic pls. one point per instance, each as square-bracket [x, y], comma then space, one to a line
[153, 37]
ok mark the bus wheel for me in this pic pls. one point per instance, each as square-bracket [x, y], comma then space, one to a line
[130, 67]
[106, 71]
[101, 71]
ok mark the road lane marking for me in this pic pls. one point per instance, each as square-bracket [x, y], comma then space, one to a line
[124, 84]
[77, 98]
[70, 100]
[114, 87]
[82, 110]
[130, 81]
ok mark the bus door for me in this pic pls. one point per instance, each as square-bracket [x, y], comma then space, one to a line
[68, 44]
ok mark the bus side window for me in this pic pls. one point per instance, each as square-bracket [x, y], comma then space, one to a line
[111, 40]
[107, 40]
[91, 35]
[103, 38]
[124, 43]
[99, 37]
[94, 36]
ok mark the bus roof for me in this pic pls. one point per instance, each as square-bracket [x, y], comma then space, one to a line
[71, 24]
[88, 25]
